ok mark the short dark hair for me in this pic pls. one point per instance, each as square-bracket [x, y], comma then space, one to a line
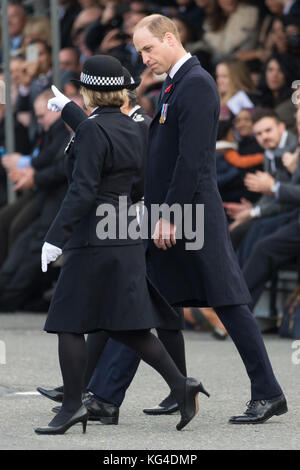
[261, 113]
[18, 3]
[74, 49]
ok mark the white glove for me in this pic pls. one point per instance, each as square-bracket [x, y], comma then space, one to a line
[57, 103]
[49, 253]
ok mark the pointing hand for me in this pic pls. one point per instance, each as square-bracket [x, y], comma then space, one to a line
[59, 101]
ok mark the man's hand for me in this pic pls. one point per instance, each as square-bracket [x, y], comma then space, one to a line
[59, 101]
[29, 70]
[233, 225]
[110, 41]
[148, 79]
[109, 12]
[10, 161]
[234, 208]
[240, 218]
[243, 216]
[290, 160]
[260, 182]
[26, 180]
[50, 253]
[15, 175]
[164, 234]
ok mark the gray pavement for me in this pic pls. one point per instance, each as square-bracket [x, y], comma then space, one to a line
[31, 360]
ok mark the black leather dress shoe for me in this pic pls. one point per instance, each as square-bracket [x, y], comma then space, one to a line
[98, 410]
[106, 413]
[167, 407]
[55, 394]
[259, 411]
[162, 410]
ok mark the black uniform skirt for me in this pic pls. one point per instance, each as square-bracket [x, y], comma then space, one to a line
[106, 288]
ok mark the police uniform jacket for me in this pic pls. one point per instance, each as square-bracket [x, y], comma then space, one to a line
[102, 284]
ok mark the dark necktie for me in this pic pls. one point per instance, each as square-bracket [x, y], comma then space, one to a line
[165, 85]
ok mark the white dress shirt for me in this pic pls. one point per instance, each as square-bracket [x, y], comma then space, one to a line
[178, 64]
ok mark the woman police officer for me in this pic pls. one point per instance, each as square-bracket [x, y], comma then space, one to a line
[102, 287]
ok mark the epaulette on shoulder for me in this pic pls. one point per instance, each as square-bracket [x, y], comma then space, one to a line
[138, 118]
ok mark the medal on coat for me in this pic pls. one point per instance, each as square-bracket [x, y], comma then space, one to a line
[163, 114]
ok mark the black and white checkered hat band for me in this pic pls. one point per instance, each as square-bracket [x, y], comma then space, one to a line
[101, 81]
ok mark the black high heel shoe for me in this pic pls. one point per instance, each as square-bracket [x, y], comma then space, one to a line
[191, 406]
[81, 416]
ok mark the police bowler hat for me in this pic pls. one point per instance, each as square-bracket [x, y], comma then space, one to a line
[102, 73]
[130, 82]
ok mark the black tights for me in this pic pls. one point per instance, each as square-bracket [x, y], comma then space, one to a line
[172, 340]
[77, 370]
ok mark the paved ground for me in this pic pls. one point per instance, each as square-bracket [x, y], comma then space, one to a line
[31, 360]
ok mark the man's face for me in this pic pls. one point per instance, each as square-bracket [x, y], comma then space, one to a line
[45, 118]
[156, 54]
[268, 132]
[15, 67]
[16, 20]
[131, 19]
[68, 60]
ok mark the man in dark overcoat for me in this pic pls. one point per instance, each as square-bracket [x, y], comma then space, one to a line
[181, 170]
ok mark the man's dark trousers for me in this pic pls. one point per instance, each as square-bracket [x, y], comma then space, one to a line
[212, 273]
[269, 254]
[118, 364]
[114, 373]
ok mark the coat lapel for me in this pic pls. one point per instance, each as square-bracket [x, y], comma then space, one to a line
[177, 77]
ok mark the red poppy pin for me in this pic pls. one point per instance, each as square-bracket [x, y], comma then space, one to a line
[169, 88]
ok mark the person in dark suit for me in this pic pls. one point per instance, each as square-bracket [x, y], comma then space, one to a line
[181, 170]
[118, 363]
[273, 137]
[283, 245]
[22, 145]
[21, 280]
[254, 221]
[291, 7]
[68, 13]
[16, 217]
[112, 295]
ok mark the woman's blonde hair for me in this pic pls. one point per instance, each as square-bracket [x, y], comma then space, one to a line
[94, 98]
[37, 27]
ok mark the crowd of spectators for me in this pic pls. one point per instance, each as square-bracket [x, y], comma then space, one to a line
[252, 49]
